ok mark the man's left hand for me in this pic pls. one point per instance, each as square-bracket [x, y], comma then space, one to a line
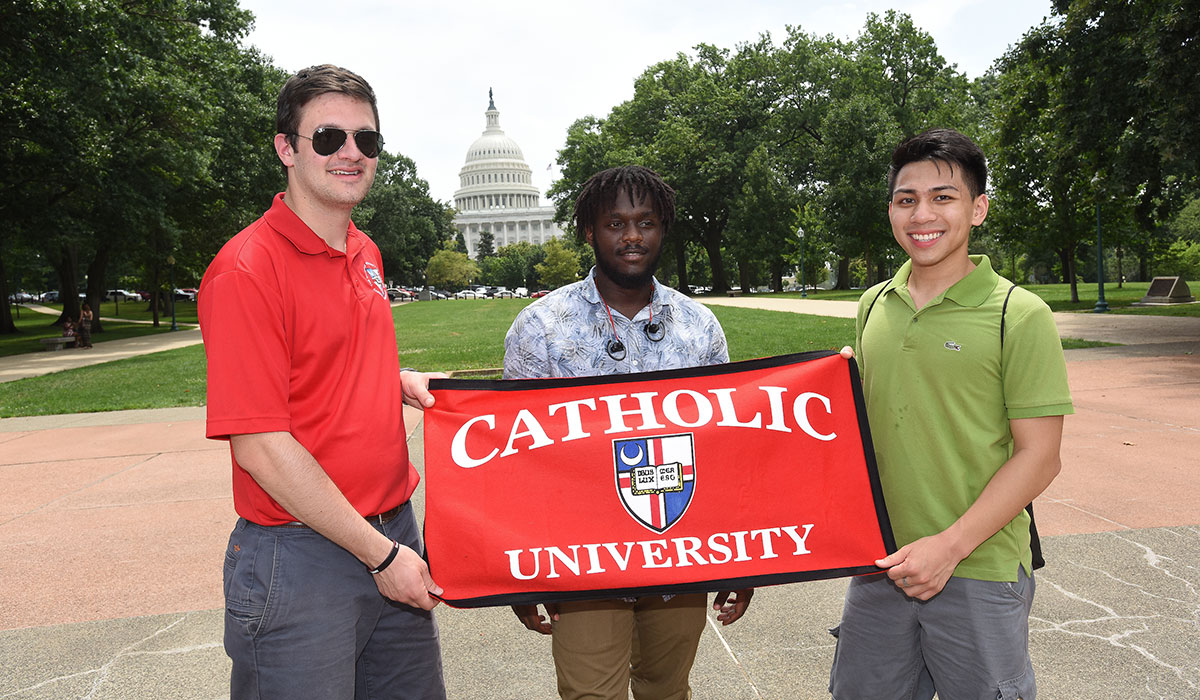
[922, 568]
[415, 388]
[731, 609]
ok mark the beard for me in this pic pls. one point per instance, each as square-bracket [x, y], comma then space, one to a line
[625, 280]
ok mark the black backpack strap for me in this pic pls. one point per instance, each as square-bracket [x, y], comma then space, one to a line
[1035, 543]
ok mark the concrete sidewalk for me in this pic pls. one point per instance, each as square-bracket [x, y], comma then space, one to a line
[113, 527]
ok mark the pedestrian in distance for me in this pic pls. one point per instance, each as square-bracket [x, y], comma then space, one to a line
[83, 327]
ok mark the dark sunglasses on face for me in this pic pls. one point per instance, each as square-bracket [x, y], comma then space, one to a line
[327, 140]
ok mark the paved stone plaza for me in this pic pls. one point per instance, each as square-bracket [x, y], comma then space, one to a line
[113, 527]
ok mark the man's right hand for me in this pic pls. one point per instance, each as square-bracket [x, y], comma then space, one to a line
[406, 580]
[528, 615]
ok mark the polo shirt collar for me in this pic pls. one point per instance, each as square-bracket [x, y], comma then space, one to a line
[970, 291]
[285, 222]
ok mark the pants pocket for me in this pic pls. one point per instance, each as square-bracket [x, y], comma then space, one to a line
[250, 569]
[1019, 688]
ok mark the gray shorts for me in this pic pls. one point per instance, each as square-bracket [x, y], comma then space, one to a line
[304, 620]
[969, 642]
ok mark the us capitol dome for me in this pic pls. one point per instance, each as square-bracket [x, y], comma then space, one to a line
[496, 192]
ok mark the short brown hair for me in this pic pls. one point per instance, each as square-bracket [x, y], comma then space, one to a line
[312, 82]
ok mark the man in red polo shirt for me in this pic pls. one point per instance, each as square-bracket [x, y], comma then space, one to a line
[326, 592]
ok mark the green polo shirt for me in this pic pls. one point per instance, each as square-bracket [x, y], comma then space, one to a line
[940, 393]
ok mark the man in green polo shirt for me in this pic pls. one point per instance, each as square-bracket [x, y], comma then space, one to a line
[966, 389]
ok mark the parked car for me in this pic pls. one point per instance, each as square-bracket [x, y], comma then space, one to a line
[50, 297]
[121, 295]
[521, 292]
[185, 294]
[466, 294]
[21, 297]
[395, 293]
[503, 293]
[539, 293]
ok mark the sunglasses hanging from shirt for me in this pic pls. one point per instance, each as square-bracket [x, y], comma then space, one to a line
[327, 140]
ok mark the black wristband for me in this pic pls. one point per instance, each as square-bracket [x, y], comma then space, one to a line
[391, 555]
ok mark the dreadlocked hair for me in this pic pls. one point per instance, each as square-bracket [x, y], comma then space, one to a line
[600, 193]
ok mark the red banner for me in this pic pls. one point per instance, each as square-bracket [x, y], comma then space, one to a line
[711, 478]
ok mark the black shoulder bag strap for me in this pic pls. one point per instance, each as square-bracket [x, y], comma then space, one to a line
[1035, 543]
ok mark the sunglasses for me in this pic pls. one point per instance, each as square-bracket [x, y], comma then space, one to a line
[327, 140]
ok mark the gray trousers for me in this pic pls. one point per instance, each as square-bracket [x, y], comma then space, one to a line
[304, 619]
[969, 642]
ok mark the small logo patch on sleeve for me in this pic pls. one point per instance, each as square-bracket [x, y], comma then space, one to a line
[951, 345]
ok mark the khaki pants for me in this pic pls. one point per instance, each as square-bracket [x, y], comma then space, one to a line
[605, 648]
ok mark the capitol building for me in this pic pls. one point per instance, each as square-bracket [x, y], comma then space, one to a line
[496, 192]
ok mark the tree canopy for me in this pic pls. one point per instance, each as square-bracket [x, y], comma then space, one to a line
[142, 130]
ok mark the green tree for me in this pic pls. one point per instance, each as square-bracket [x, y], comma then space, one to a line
[513, 265]
[560, 267]
[452, 269]
[404, 221]
[121, 149]
[486, 247]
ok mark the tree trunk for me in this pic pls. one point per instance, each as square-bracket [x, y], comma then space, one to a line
[1067, 260]
[843, 273]
[712, 245]
[1120, 270]
[681, 263]
[7, 325]
[95, 286]
[68, 289]
[745, 281]
[777, 275]
[155, 294]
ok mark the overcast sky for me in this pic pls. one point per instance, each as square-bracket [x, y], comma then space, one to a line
[552, 62]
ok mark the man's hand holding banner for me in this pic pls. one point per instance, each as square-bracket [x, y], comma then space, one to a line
[709, 478]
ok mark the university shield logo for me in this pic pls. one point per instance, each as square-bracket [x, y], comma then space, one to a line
[656, 477]
[375, 279]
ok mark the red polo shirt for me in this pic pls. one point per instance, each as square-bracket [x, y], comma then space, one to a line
[299, 338]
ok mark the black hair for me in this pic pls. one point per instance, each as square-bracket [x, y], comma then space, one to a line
[312, 82]
[947, 146]
[600, 193]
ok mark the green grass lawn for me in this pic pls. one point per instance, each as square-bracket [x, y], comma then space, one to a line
[158, 380]
[441, 335]
[32, 326]
[185, 311]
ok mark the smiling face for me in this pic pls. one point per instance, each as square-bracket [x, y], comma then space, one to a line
[627, 240]
[932, 213]
[337, 181]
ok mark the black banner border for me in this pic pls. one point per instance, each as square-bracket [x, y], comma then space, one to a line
[711, 586]
[732, 584]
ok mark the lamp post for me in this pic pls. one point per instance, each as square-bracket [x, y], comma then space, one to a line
[1101, 304]
[171, 277]
[803, 287]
